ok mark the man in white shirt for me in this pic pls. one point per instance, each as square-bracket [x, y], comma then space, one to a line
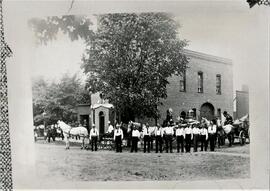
[196, 134]
[146, 138]
[159, 135]
[180, 136]
[134, 138]
[188, 137]
[118, 137]
[212, 129]
[204, 137]
[110, 128]
[169, 130]
[93, 137]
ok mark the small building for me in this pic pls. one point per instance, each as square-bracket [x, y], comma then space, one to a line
[101, 114]
[242, 102]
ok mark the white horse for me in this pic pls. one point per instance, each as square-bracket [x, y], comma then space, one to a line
[75, 131]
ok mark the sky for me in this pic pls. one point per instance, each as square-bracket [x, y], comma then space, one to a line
[221, 28]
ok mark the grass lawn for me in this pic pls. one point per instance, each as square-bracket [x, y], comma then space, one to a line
[58, 164]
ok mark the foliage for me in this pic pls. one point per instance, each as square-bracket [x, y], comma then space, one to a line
[58, 100]
[130, 59]
[74, 26]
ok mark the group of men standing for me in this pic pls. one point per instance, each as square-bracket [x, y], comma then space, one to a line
[185, 133]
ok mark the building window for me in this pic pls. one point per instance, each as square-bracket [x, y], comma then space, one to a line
[200, 82]
[183, 82]
[218, 84]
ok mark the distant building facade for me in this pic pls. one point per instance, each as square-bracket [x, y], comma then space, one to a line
[206, 88]
[242, 102]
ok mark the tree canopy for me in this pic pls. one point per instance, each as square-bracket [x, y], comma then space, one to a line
[58, 100]
[130, 58]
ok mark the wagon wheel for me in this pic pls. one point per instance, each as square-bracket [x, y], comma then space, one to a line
[242, 138]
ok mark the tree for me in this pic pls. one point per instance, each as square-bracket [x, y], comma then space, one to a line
[130, 58]
[58, 100]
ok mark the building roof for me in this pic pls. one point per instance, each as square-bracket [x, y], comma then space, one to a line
[106, 105]
[208, 57]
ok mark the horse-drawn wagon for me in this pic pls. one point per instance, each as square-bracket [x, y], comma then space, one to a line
[241, 130]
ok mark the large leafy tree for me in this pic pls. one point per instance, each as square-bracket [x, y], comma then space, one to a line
[130, 58]
[58, 100]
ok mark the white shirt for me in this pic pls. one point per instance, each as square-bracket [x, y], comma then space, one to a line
[135, 133]
[204, 132]
[118, 132]
[196, 130]
[212, 129]
[146, 131]
[169, 130]
[159, 132]
[110, 129]
[93, 132]
[188, 130]
[180, 132]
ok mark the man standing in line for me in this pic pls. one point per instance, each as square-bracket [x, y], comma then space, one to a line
[135, 138]
[212, 129]
[118, 137]
[94, 137]
[146, 138]
[180, 136]
[188, 136]
[204, 137]
[158, 135]
[169, 136]
[196, 134]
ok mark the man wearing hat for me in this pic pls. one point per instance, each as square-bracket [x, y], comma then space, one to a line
[118, 137]
[146, 138]
[204, 137]
[135, 135]
[180, 136]
[228, 118]
[93, 137]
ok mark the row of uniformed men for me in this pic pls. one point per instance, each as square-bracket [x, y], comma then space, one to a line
[183, 132]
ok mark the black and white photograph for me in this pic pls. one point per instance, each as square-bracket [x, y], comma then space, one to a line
[137, 94]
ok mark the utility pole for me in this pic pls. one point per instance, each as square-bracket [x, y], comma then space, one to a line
[5, 151]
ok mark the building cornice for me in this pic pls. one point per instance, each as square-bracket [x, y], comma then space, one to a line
[208, 57]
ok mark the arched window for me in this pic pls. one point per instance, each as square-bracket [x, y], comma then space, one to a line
[183, 114]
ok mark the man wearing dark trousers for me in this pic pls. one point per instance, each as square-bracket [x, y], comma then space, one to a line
[118, 137]
[134, 139]
[204, 137]
[212, 129]
[93, 137]
[196, 134]
[188, 137]
[169, 136]
[159, 136]
[146, 139]
[180, 136]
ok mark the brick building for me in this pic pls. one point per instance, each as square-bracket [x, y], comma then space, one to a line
[206, 88]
